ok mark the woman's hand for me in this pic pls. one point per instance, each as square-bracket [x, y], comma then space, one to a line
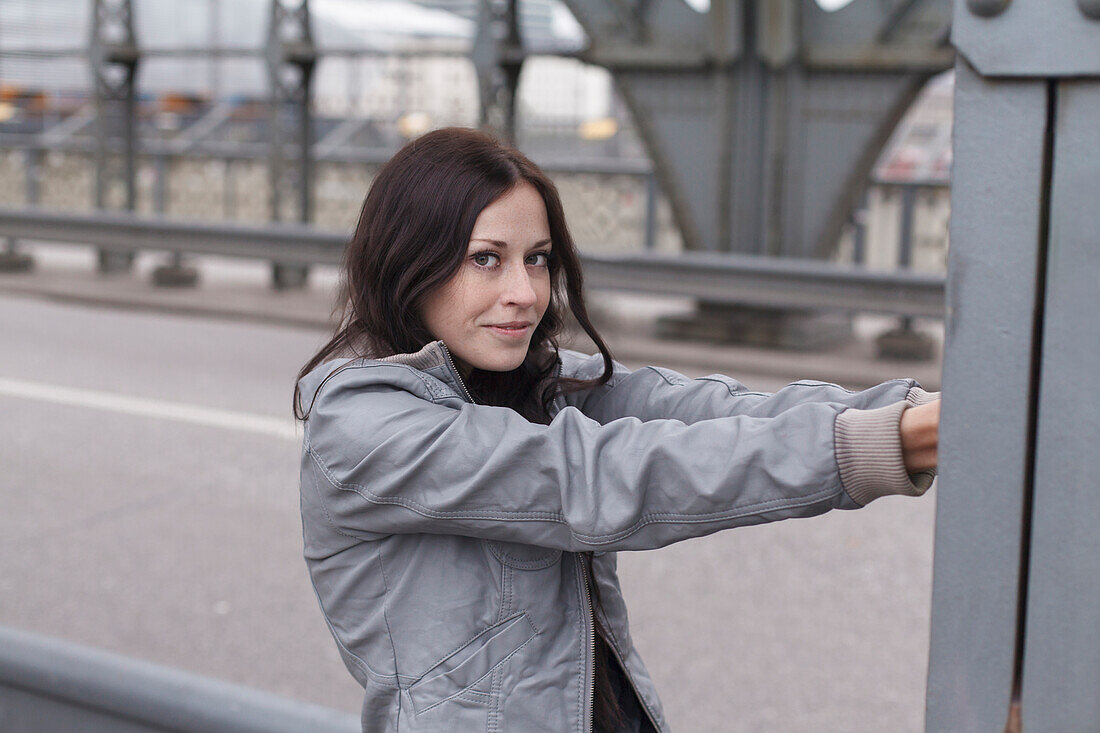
[920, 436]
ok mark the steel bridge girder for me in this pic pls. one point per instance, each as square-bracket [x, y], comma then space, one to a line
[765, 117]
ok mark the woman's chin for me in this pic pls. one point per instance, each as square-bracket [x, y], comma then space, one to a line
[500, 361]
[501, 365]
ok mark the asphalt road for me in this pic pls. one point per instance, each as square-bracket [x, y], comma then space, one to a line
[148, 484]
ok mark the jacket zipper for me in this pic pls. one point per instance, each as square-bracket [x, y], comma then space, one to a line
[590, 616]
[614, 651]
[629, 679]
[591, 660]
[454, 370]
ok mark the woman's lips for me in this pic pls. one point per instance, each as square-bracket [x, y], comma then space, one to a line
[515, 329]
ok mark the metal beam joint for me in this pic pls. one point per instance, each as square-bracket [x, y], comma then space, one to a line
[1028, 38]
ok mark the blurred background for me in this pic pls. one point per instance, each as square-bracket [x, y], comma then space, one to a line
[759, 188]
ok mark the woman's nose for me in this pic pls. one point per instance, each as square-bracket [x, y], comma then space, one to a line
[518, 289]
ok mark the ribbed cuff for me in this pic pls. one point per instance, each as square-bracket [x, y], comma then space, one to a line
[868, 452]
[918, 396]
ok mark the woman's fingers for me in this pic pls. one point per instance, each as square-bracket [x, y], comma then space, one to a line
[920, 435]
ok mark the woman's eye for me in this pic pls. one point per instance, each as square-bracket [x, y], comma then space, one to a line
[539, 259]
[485, 259]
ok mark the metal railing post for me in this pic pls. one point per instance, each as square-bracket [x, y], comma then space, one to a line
[291, 58]
[859, 231]
[905, 245]
[905, 342]
[114, 58]
[651, 192]
[174, 273]
[11, 258]
[32, 168]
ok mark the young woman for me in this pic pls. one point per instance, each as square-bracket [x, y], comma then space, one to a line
[466, 484]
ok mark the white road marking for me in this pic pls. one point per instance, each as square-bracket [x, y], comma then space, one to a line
[145, 407]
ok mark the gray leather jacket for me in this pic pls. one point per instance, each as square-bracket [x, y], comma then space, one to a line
[443, 537]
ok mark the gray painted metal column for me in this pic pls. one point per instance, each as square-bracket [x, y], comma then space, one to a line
[1016, 592]
[997, 182]
[1061, 670]
[498, 56]
[291, 57]
[114, 57]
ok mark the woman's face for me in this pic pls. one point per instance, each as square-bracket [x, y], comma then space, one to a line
[487, 312]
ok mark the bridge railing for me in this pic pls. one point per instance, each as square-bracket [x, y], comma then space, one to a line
[55, 685]
[713, 277]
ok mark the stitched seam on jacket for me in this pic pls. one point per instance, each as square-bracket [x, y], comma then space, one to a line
[352, 365]
[815, 383]
[668, 380]
[481, 698]
[387, 680]
[606, 620]
[385, 616]
[621, 649]
[494, 701]
[611, 384]
[836, 462]
[646, 519]
[503, 608]
[359, 661]
[800, 383]
[437, 662]
[479, 679]
[433, 391]
[733, 392]
[321, 500]
[509, 561]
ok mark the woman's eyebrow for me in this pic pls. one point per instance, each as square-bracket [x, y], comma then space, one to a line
[504, 245]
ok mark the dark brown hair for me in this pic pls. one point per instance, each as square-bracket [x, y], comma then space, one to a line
[412, 236]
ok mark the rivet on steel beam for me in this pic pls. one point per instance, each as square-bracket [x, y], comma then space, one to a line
[1091, 8]
[987, 8]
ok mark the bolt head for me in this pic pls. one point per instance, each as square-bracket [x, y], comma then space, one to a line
[987, 8]
[1090, 8]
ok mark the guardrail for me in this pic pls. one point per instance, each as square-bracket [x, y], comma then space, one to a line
[772, 282]
[51, 685]
[716, 278]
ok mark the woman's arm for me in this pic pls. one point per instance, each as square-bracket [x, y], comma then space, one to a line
[382, 460]
[652, 393]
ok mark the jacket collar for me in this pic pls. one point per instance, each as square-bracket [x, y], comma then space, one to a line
[435, 359]
[431, 356]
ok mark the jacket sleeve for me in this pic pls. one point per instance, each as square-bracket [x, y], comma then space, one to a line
[652, 393]
[384, 460]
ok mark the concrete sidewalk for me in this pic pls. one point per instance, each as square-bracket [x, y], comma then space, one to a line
[240, 290]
